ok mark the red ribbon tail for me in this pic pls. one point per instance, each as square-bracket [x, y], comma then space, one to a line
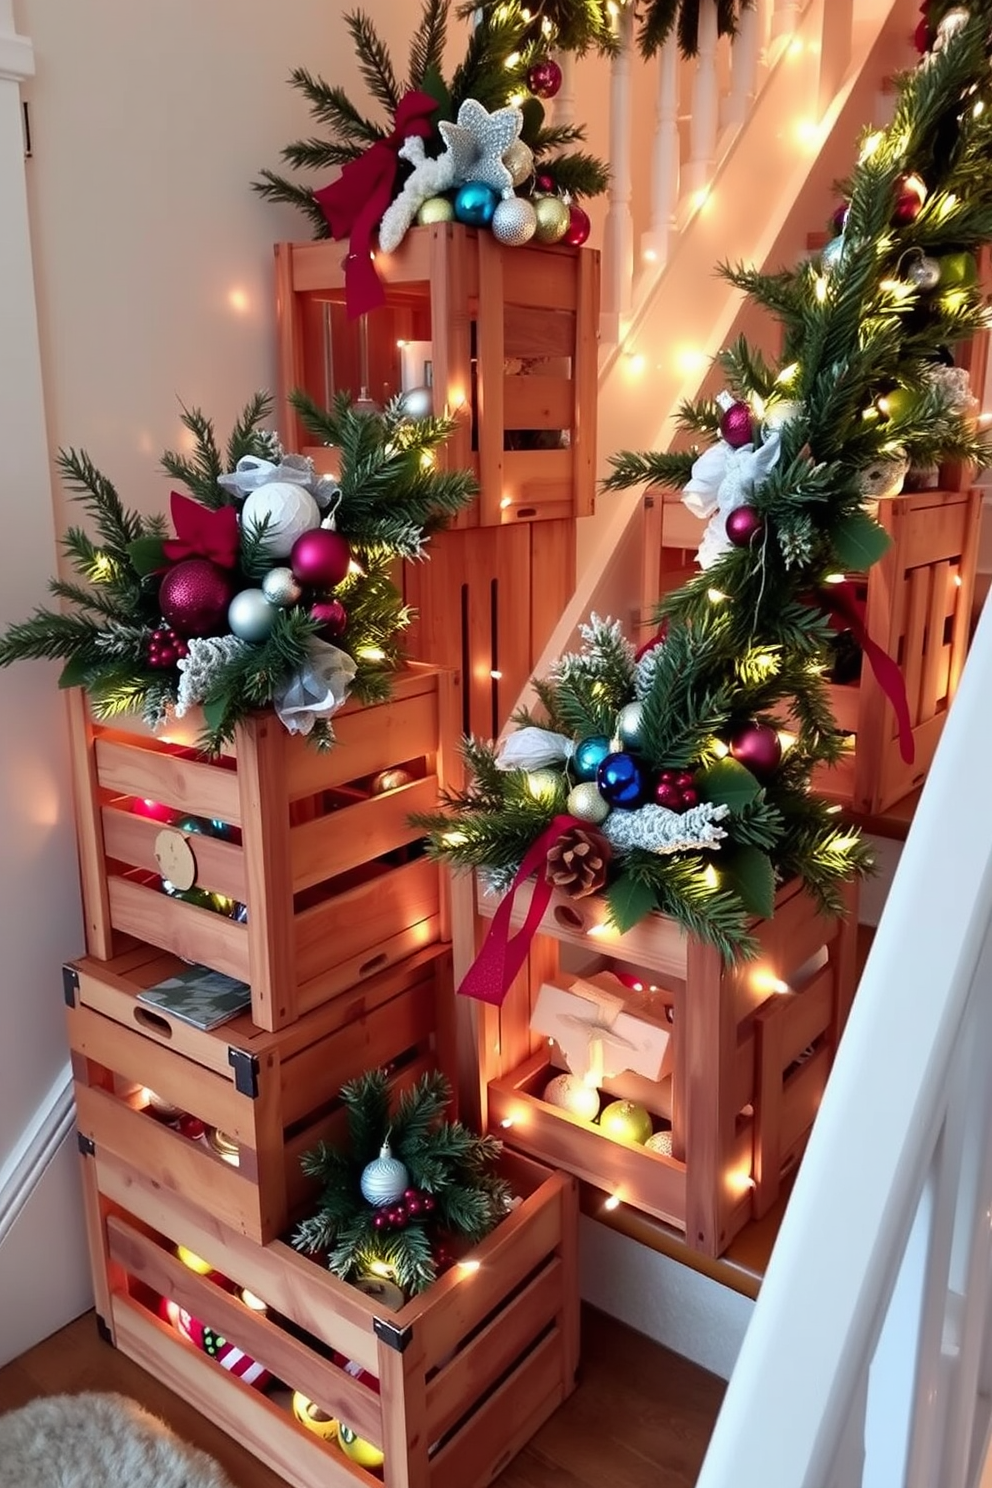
[501, 957]
[842, 603]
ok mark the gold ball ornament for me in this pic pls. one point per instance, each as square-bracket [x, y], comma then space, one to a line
[313, 1418]
[514, 222]
[627, 1120]
[435, 209]
[571, 1094]
[519, 161]
[362, 1452]
[390, 780]
[552, 219]
[781, 413]
[585, 803]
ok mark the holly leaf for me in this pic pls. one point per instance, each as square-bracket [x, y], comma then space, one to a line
[75, 673]
[749, 872]
[859, 541]
[629, 901]
[147, 555]
[728, 783]
[533, 122]
[215, 710]
[435, 87]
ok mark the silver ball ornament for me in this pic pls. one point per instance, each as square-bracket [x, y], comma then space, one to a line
[832, 254]
[514, 222]
[586, 804]
[924, 273]
[281, 587]
[385, 1179]
[552, 219]
[629, 724]
[250, 616]
[519, 161]
[286, 511]
[777, 414]
[435, 209]
[416, 403]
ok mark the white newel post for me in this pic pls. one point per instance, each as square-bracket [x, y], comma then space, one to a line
[618, 233]
[745, 59]
[835, 48]
[563, 105]
[705, 103]
[665, 159]
[785, 17]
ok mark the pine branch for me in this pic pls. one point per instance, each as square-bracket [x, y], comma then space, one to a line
[315, 155]
[277, 189]
[652, 468]
[332, 106]
[427, 45]
[578, 173]
[374, 61]
[247, 437]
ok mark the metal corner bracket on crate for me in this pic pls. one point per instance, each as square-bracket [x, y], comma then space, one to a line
[397, 1338]
[245, 1067]
[70, 984]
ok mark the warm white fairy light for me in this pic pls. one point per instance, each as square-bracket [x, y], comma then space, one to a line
[946, 205]
[613, 1202]
[835, 578]
[715, 596]
[454, 838]
[870, 146]
[710, 877]
[787, 374]
[469, 1268]
[786, 739]
[820, 288]
[371, 653]
[253, 1303]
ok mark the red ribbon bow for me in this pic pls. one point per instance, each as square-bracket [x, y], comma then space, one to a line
[203, 532]
[848, 613]
[355, 202]
[501, 957]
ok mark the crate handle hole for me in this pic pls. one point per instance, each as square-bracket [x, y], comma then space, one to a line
[374, 965]
[153, 1022]
[524, 512]
[568, 918]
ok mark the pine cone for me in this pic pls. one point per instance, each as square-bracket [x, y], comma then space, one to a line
[576, 863]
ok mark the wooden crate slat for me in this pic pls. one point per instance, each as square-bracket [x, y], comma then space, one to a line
[136, 769]
[534, 279]
[194, 934]
[368, 963]
[359, 918]
[934, 659]
[131, 839]
[538, 402]
[369, 741]
[320, 849]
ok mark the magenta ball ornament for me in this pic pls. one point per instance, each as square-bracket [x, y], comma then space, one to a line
[331, 616]
[744, 524]
[911, 193]
[320, 558]
[544, 78]
[757, 746]
[838, 218]
[579, 227]
[194, 596]
[544, 183]
[735, 425]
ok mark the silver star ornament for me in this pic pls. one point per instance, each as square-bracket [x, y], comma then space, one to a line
[478, 142]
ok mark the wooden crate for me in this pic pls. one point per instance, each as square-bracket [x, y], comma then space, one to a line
[513, 346]
[467, 1371]
[752, 1047]
[918, 602]
[331, 874]
[274, 1095]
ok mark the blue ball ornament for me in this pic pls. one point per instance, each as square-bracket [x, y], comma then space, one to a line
[589, 755]
[475, 203]
[621, 781]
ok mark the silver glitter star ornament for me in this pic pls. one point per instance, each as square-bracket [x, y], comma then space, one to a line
[478, 142]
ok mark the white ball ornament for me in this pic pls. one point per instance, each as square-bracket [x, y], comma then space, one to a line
[285, 510]
[250, 616]
[660, 1142]
[514, 222]
[417, 402]
[586, 804]
[629, 724]
[778, 414]
[281, 587]
[573, 1095]
[384, 1179]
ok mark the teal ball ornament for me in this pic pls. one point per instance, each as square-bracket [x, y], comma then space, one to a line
[586, 804]
[251, 617]
[589, 755]
[629, 724]
[621, 781]
[475, 204]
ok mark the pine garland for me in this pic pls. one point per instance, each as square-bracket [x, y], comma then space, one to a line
[452, 1188]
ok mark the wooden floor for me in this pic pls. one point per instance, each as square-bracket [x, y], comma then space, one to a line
[640, 1418]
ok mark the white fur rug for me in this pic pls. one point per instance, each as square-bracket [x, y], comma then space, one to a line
[97, 1441]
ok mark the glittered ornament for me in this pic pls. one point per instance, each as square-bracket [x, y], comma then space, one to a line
[519, 161]
[389, 780]
[544, 78]
[250, 616]
[620, 781]
[660, 1142]
[627, 1120]
[514, 222]
[957, 270]
[910, 194]
[758, 747]
[384, 1178]
[571, 1094]
[331, 616]
[586, 804]
[416, 403]
[744, 525]
[589, 755]
[281, 587]
[194, 596]
[543, 784]
[552, 219]
[923, 273]
[435, 209]
[735, 424]
[629, 724]
[313, 1418]
[284, 510]
[579, 226]
[777, 415]
[832, 254]
[475, 204]
[320, 558]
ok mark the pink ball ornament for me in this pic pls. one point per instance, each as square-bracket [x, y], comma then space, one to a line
[545, 183]
[744, 524]
[735, 425]
[320, 558]
[579, 227]
[757, 746]
[911, 193]
[194, 596]
[544, 78]
[331, 616]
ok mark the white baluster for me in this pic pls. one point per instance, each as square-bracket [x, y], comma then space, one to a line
[563, 105]
[665, 161]
[705, 104]
[618, 234]
[785, 17]
[835, 48]
[743, 68]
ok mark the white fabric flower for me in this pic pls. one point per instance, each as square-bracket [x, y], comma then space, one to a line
[724, 478]
[532, 749]
[252, 472]
[317, 690]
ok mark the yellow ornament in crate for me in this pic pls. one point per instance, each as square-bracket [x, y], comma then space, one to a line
[313, 1418]
[627, 1120]
[362, 1452]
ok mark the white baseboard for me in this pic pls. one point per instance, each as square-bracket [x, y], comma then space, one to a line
[34, 1150]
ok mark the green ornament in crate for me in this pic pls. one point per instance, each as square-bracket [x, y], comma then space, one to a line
[627, 1120]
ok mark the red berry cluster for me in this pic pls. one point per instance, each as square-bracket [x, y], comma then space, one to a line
[165, 648]
[415, 1204]
[676, 790]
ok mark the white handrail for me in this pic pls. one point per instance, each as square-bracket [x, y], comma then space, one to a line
[618, 233]
[876, 1306]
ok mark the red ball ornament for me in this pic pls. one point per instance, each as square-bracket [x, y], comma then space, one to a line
[911, 193]
[320, 558]
[757, 746]
[735, 425]
[669, 795]
[838, 218]
[544, 78]
[579, 227]
[744, 524]
[194, 596]
[331, 616]
[544, 183]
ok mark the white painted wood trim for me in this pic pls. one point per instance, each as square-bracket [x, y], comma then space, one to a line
[16, 52]
[35, 1149]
